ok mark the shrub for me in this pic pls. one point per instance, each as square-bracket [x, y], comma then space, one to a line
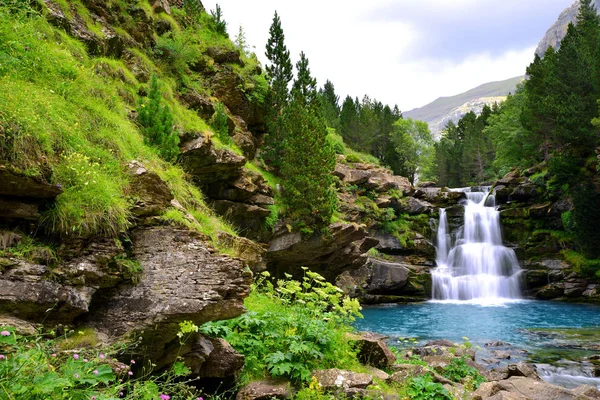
[423, 388]
[219, 124]
[458, 370]
[292, 327]
[157, 123]
[43, 367]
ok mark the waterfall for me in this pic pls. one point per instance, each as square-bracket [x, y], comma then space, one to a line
[474, 265]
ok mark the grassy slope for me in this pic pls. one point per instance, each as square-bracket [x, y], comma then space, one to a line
[64, 117]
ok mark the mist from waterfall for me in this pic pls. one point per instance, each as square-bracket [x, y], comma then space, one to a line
[472, 263]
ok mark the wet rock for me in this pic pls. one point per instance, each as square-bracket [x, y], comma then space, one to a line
[551, 291]
[373, 350]
[182, 279]
[502, 355]
[152, 195]
[525, 192]
[496, 343]
[522, 370]
[265, 390]
[387, 277]
[331, 379]
[586, 390]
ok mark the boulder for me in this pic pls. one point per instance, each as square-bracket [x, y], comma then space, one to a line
[224, 55]
[536, 389]
[373, 350]
[19, 209]
[413, 206]
[332, 379]
[342, 249]
[206, 164]
[265, 390]
[387, 277]
[524, 192]
[405, 371]
[222, 362]
[161, 6]
[522, 369]
[151, 194]
[551, 291]
[182, 279]
[26, 292]
[23, 328]
[248, 219]
[199, 103]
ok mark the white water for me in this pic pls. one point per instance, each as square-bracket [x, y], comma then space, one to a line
[473, 265]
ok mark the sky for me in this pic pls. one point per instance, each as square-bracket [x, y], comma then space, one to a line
[404, 52]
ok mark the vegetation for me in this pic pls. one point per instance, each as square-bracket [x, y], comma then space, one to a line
[50, 367]
[291, 328]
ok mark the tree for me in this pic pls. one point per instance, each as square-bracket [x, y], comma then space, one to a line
[220, 23]
[305, 86]
[330, 106]
[308, 157]
[279, 74]
[241, 42]
[156, 121]
[411, 148]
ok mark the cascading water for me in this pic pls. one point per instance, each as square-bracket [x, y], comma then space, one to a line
[473, 265]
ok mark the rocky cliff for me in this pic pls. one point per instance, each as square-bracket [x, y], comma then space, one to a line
[558, 30]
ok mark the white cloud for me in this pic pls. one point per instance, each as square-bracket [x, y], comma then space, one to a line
[365, 56]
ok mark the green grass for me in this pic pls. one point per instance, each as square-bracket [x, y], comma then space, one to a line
[352, 156]
[64, 118]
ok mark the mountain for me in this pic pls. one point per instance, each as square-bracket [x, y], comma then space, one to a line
[444, 109]
[558, 30]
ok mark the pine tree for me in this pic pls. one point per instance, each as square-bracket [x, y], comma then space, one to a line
[305, 86]
[279, 74]
[308, 157]
[156, 121]
[220, 23]
[330, 106]
[279, 69]
[241, 42]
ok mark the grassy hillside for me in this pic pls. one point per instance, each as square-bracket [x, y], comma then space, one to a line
[69, 118]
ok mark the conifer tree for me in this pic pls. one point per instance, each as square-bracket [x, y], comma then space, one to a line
[308, 157]
[330, 106]
[279, 74]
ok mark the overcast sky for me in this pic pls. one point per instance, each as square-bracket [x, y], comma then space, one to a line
[405, 52]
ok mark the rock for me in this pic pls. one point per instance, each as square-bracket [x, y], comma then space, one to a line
[207, 164]
[249, 219]
[586, 390]
[23, 328]
[252, 253]
[502, 194]
[197, 102]
[382, 181]
[551, 291]
[388, 243]
[331, 379]
[22, 209]
[524, 192]
[522, 369]
[485, 391]
[379, 374]
[387, 277]
[426, 184]
[151, 194]
[265, 390]
[16, 184]
[248, 188]
[194, 356]
[502, 355]
[405, 371]
[27, 293]
[507, 396]
[560, 206]
[344, 248]
[182, 279]
[223, 55]
[497, 343]
[441, 342]
[535, 389]
[540, 210]
[373, 350]
[222, 362]
[413, 206]
[161, 6]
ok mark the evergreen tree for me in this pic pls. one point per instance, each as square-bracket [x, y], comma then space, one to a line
[330, 106]
[279, 74]
[156, 121]
[309, 158]
[220, 23]
[240, 41]
[305, 86]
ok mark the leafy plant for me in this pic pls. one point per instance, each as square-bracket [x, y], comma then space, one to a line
[292, 327]
[423, 388]
[458, 370]
[219, 123]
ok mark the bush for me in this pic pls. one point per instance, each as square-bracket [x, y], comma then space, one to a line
[219, 124]
[44, 367]
[292, 327]
[423, 388]
[458, 370]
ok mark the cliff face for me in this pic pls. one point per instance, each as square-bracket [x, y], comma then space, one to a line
[558, 30]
